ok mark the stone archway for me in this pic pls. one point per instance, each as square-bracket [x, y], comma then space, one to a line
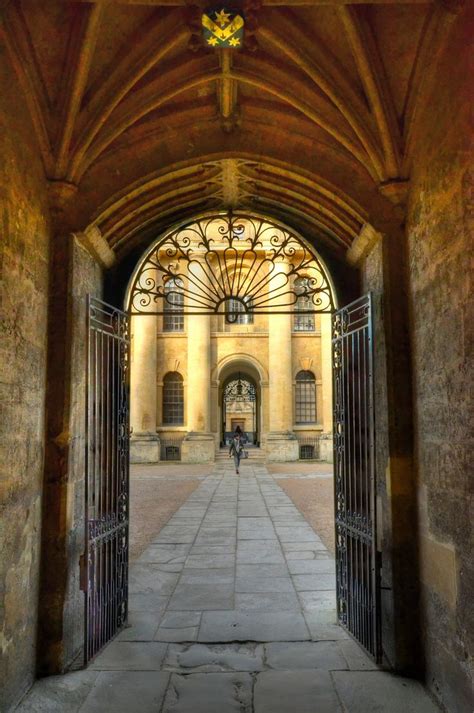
[252, 400]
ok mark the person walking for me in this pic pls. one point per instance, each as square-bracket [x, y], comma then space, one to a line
[235, 450]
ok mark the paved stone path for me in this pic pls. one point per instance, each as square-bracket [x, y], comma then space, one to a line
[232, 610]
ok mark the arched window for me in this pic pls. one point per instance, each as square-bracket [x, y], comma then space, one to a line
[305, 402]
[173, 399]
[173, 303]
[242, 317]
[303, 322]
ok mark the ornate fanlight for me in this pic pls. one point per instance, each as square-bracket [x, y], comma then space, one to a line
[231, 264]
[240, 390]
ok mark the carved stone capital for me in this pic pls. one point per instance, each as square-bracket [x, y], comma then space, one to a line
[362, 244]
[92, 240]
[396, 191]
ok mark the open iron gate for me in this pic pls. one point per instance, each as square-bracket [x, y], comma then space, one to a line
[357, 570]
[105, 571]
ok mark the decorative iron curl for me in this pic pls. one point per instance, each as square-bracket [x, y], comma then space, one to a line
[236, 255]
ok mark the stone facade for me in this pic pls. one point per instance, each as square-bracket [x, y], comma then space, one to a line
[207, 352]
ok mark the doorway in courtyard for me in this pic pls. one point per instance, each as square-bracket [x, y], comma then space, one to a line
[240, 409]
[226, 280]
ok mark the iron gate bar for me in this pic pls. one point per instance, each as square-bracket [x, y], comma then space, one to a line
[357, 575]
[106, 475]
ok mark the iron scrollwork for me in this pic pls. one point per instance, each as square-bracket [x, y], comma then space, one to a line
[240, 390]
[221, 261]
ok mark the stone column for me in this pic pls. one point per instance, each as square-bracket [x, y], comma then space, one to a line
[281, 441]
[199, 444]
[144, 442]
[326, 378]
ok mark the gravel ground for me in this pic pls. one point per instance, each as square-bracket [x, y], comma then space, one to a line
[156, 492]
[311, 488]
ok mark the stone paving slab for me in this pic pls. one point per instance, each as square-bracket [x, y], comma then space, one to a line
[265, 552]
[287, 656]
[200, 658]
[146, 578]
[202, 596]
[218, 576]
[209, 693]
[141, 626]
[381, 691]
[253, 626]
[59, 694]
[355, 656]
[315, 582]
[151, 601]
[213, 549]
[164, 553]
[119, 691]
[261, 570]
[298, 691]
[310, 565]
[180, 619]
[315, 546]
[130, 656]
[177, 635]
[212, 561]
[267, 601]
[311, 601]
[323, 626]
[256, 584]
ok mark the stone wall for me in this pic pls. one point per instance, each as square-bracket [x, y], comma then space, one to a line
[24, 246]
[384, 274]
[61, 603]
[440, 229]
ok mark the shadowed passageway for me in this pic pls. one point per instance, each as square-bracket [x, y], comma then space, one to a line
[232, 608]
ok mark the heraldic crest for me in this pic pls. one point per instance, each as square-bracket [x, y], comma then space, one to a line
[223, 28]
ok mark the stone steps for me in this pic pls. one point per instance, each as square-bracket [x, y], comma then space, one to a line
[255, 454]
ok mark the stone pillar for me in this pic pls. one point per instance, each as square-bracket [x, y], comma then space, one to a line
[144, 442]
[199, 444]
[326, 451]
[281, 441]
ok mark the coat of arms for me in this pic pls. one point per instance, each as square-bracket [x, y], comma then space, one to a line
[223, 28]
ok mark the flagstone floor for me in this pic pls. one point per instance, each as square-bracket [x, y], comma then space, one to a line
[232, 610]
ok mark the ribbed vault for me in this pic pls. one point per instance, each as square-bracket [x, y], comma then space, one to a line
[140, 125]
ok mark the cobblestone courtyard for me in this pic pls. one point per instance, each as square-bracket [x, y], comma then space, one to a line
[232, 609]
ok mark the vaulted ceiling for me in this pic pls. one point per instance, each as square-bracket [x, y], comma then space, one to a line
[139, 123]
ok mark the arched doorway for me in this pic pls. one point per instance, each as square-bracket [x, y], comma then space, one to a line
[240, 409]
[227, 265]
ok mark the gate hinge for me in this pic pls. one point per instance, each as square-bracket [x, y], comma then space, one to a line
[83, 573]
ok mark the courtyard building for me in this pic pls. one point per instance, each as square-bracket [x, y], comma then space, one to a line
[266, 372]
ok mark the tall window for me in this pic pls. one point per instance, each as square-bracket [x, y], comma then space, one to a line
[173, 303]
[242, 317]
[305, 411]
[303, 322]
[173, 399]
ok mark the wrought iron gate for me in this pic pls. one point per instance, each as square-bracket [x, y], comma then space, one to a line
[357, 571]
[105, 572]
